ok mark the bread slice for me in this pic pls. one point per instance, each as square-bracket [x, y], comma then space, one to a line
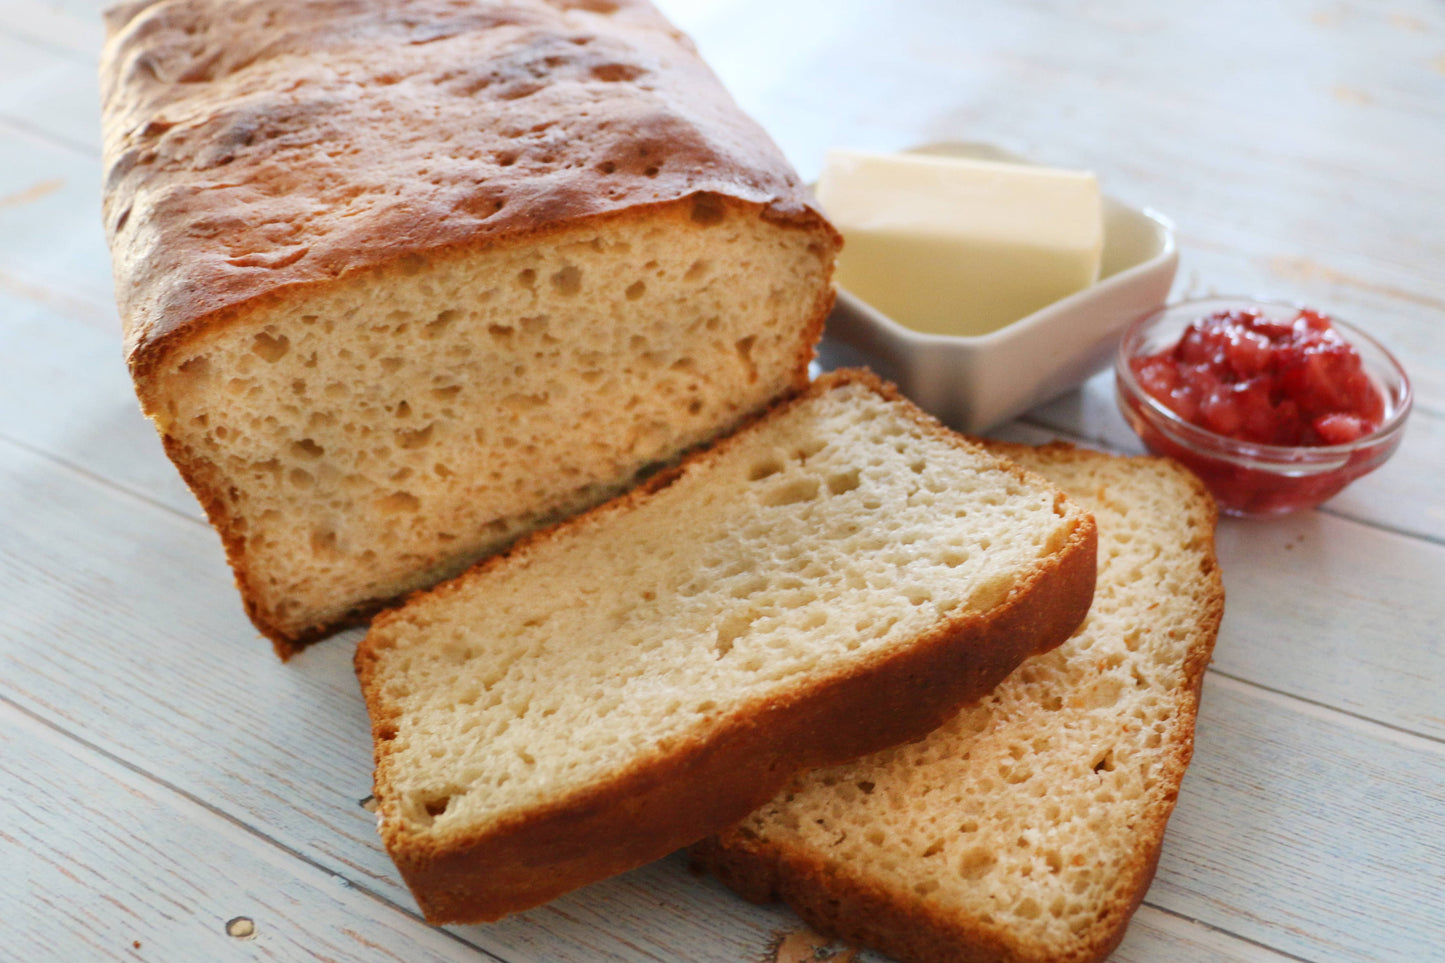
[1027, 828]
[838, 577]
[402, 281]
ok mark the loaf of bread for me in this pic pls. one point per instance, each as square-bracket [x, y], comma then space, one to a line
[1028, 827]
[837, 577]
[402, 279]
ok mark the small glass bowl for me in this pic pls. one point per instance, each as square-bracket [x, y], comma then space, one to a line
[1251, 479]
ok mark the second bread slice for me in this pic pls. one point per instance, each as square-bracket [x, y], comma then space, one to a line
[1027, 828]
[834, 579]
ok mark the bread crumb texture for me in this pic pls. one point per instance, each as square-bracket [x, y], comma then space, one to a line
[820, 540]
[1026, 828]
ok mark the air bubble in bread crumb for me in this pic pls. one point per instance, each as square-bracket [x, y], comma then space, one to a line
[568, 281]
[270, 348]
[398, 502]
[792, 492]
[708, 209]
[840, 483]
[436, 327]
[415, 438]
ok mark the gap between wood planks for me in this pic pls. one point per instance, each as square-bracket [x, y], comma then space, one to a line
[100, 481]
[1373, 728]
[233, 821]
[1206, 925]
[41, 24]
[50, 137]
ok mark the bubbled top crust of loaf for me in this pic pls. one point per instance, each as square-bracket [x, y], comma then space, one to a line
[252, 146]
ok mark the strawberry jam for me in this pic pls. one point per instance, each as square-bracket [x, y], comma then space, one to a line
[1241, 374]
[1268, 404]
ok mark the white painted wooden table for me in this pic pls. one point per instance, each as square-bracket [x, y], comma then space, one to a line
[161, 773]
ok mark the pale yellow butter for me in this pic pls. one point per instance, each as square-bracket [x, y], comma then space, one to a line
[963, 247]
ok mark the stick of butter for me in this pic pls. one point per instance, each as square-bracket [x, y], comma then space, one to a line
[963, 247]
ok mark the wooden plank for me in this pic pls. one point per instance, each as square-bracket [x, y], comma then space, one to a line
[72, 27]
[47, 91]
[1157, 935]
[1336, 613]
[1360, 606]
[101, 863]
[72, 398]
[1308, 831]
[99, 591]
[52, 247]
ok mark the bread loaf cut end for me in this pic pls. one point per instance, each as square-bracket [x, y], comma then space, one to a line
[356, 441]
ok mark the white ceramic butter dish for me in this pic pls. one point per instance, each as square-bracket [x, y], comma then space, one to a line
[973, 383]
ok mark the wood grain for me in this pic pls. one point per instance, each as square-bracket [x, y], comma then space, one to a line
[48, 92]
[71, 28]
[159, 770]
[103, 864]
[1157, 935]
[50, 191]
[1322, 833]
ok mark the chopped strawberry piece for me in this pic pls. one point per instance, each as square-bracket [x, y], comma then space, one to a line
[1220, 413]
[1250, 354]
[1341, 429]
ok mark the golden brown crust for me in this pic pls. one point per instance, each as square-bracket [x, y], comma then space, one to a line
[254, 146]
[681, 795]
[840, 901]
